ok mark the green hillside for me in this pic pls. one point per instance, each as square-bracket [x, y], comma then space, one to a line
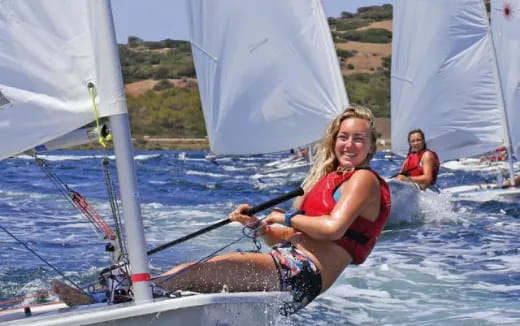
[162, 105]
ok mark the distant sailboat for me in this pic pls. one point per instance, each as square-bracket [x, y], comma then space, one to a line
[268, 73]
[445, 79]
[505, 24]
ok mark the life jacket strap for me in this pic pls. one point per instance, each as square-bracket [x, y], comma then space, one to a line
[356, 236]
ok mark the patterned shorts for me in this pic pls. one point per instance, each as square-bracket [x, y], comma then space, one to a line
[298, 275]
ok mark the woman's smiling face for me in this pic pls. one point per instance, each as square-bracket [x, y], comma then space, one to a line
[416, 142]
[352, 142]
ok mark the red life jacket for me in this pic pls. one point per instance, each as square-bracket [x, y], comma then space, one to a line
[360, 238]
[412, 166]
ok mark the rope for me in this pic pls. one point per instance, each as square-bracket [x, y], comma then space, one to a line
[112, 199]
[18, 300]
[40, 257]
[248, 232]
[92, 215]
[102, 137]
[76, 200]
[100, 225]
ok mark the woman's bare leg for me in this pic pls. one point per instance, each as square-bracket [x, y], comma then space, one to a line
[240, 272]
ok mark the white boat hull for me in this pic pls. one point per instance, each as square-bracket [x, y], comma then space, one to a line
[412, 205]
[405, 201]
[483, 192]
[251, 308]
[288, 166]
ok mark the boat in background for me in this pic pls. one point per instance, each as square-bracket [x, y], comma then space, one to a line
[505, 23]
[292, 164]
[483, 192]
[269, 77]
[265, 63]
[446, 81]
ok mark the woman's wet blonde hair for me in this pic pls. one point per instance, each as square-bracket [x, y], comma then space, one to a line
[325, 159]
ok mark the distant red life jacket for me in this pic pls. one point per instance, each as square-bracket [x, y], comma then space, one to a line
[412, 166]
[499, 155]
[362, 235]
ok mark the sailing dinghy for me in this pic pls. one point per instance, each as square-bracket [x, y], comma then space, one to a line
[445, 80]
[268, 73]
[60, 72]
[505, 23]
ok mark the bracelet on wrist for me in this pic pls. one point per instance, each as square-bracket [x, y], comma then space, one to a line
[290, 214]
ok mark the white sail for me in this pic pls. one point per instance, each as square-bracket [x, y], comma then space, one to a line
[45, 66]
[505, 24]
[268, 73]
[444, 78]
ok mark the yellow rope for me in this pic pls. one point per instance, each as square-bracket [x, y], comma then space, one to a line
[101, 139]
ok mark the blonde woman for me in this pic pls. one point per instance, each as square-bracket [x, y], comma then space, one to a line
[335, 223]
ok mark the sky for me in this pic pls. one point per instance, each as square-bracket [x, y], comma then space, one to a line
[155, 20]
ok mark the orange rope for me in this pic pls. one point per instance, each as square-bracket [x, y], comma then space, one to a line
[82, 204]
[18, 300]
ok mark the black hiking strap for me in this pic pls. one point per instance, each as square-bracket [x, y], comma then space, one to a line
[356, 236]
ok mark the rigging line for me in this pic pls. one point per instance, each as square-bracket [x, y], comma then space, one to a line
[82, 204]
[62, 186]
[77, 201]
[202, 260]
[18, 300]
[112, 199]
[41, 258]
[247, 234]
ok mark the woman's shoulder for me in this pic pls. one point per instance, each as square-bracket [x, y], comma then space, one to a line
[366, 176]
[366, 183]
[429, 154]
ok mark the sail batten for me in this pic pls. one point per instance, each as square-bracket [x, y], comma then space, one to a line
[268, 73]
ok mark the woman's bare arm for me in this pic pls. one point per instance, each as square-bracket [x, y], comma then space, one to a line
[360, 196]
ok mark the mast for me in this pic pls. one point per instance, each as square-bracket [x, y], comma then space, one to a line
[125, 164]
[507, 132]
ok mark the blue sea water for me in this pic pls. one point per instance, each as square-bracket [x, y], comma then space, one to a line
[458, 263]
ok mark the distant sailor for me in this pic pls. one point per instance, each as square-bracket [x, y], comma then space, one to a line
[507, 183]
[421, 165]
[500, 154]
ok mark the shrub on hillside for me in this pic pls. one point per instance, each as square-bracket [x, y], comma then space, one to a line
[372, 90]
[344, 54]
[134, 41]
[377, 13]
[162, 85]
[346, 14]
[143, 63]
[350, 24]
[373, 35]
[387, 62]
[170, 113]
